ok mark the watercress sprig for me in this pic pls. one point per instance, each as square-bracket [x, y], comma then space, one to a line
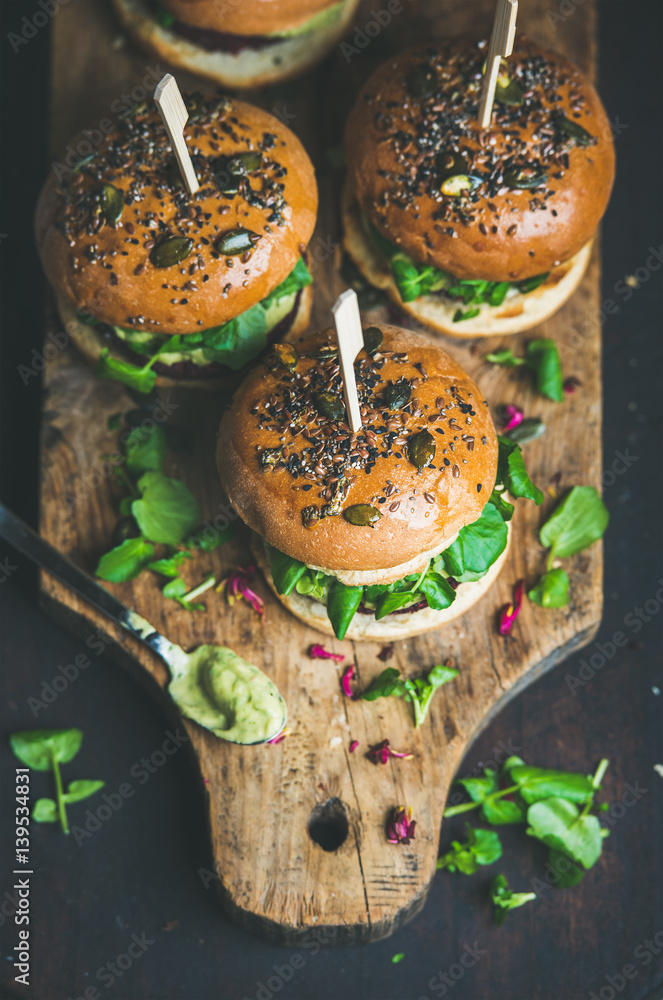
[542, 358]
[45, 750]
[419, 691]
[482, 847]
[504, 899]
[575, 524]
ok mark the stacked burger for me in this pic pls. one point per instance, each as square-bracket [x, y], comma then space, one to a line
[476, 231]
[388, 532]
[155, 284]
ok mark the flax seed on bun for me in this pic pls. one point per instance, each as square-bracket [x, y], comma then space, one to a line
[523, 197]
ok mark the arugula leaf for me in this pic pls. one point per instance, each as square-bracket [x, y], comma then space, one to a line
[237, 342]
[531, 284]
[535, 783]
[209, 538]
[552, 590]
[504, 899]
[171, 565]
[576, 523]
[38, 748]
[140, 379]
[125, 561]
[145, 449]
[543, 358]
[175, 588]
[485, 791]
[342, 603]
[477, 547]
[482, 847]
[505, 508]
[166, 511]
[568, 872]
[461, 314]
[385, 684]
[503, 812]
[82, 789]
[45, 811]
[437, 591]
[559, 824]
[299, 278]
[505, 357]
[391, 602]
[285, 570]
[512, 473]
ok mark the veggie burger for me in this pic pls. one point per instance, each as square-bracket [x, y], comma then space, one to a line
[476, 231]
[238, 43]
[155, 284]
[388, 532]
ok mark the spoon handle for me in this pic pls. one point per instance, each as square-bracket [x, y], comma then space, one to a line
[30, 544]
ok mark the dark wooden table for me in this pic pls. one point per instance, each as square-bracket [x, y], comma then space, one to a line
[143, 872]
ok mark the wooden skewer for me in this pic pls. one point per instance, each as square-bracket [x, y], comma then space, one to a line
[350, 342]
[501, 46]
[174, 116]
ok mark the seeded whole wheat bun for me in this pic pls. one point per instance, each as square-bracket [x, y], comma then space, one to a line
[379, 165]
[391, 627]
[249, 67]
[90, 343]
[136, 158]
[517, 313]
[423, 509]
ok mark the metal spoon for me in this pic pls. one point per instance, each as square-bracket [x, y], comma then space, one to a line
[31, 545]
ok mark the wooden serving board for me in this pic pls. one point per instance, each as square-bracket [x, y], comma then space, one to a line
[274, 878]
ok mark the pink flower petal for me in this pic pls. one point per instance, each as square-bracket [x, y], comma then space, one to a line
[237, 588]
[353, 746]
[380, 753]
[317, 652]
[348, 674]
[571, 384]
[280, 737]
[513, 415]
[400, 826]
[510, 612]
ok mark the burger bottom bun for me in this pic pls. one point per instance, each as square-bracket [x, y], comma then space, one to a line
[392, 627]
[517, 313]
[244, 69]
[90, 343]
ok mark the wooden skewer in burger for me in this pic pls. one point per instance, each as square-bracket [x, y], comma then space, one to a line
[386, 532]
[171, 281]
[476, 231]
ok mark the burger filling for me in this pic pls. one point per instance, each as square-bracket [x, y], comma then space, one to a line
[476, 548]
[220, 41]
[414, 280]
[231, 345]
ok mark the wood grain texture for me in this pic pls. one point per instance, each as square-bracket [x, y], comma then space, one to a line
[274, 878]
